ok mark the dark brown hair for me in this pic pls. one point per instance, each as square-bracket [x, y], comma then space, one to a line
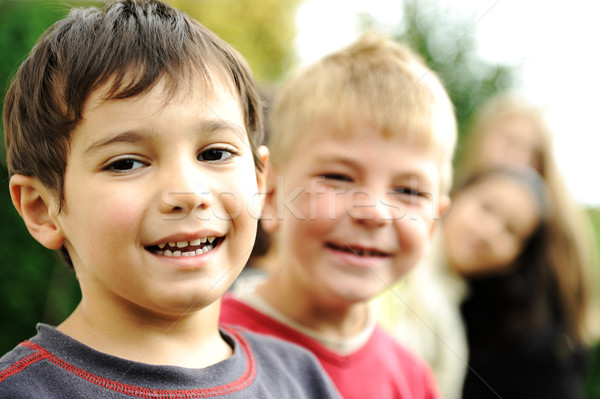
[129, 45]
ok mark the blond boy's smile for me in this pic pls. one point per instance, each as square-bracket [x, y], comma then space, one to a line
[371, 203]
[358, 250]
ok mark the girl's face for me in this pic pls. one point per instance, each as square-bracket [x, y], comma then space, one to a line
[488, 225]
[512, 141]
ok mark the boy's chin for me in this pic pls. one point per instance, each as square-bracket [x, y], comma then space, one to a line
[181, 305]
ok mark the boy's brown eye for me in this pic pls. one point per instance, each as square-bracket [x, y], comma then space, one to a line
[124, 164]
[214, 155]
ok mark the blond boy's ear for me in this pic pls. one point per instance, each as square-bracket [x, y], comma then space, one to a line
[269, 221]
[443, 206]
[37, 207]
[261, 177]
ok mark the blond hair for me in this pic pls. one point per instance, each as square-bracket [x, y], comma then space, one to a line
[374, 80]
[571, 250]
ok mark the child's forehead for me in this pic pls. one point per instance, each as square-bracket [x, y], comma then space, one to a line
[200, 88]
[493, 184]
[365, 149]
[352, 131]
[197, 108]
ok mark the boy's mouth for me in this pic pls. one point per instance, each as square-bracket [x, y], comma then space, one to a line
[365, 252]
[186, 248]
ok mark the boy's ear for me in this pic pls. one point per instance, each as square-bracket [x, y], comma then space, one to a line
[443, 205]
[269, 221]
[261, 177]
[38, 207]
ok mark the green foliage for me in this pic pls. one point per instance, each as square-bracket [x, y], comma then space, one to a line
[450, 50]
[263, 31]
[592, 388]
[593, 379]
[448, 46]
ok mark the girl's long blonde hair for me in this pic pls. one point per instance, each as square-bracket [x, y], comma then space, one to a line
[571, 252]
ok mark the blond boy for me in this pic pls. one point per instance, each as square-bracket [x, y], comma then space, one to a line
[362, 143]
[131, 143]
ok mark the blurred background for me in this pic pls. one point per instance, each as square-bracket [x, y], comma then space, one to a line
[542, 49]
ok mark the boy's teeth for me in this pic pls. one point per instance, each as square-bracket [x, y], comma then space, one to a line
[177, 253]
[178, 248]
[183, 244]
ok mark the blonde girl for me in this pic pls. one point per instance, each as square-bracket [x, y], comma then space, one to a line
[509, 131]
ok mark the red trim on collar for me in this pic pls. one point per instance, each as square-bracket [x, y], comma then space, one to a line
[241, 383]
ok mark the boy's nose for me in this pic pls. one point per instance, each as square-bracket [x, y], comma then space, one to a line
[370, 210]
[186, 192]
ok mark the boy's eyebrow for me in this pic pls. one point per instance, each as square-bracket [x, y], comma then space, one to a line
[125, 137]
[339, 160]
[210, 126]
[215, 125]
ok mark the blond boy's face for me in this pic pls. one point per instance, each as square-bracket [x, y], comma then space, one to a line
[356, 212]
[161, 199]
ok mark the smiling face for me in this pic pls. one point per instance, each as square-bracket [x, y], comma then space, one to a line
[161, 201]
[488, 225]
[354, 212]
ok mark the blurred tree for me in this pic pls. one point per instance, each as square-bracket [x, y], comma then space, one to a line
[448, 46]
[262, 30]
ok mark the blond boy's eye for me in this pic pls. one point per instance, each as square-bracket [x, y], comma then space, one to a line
[409, 191]
[337, 176]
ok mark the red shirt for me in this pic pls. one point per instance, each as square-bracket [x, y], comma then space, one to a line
[380, 369]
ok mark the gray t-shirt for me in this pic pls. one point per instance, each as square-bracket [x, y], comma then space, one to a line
[53, 365]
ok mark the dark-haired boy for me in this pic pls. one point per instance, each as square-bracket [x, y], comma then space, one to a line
[130, 137]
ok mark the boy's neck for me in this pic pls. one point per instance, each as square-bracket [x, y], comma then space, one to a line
[191, 341]
[335, 320]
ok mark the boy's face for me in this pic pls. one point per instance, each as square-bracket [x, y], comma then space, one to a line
[487, 226]
[356, 212]
[161, 199]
